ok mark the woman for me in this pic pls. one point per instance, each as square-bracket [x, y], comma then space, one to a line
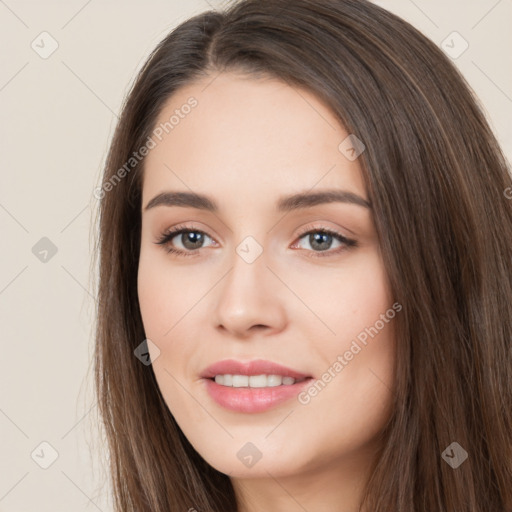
[305, 300]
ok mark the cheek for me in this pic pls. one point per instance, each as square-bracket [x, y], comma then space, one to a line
[161, 308]
[354, 400]
[347, 299]
[359, 355]
[152, 300]
[366, 339]
[165, 294]
[365, 300]
[168, 300]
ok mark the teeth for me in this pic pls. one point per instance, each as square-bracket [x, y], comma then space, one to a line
[254, 381]
[274, 380]
[240, 381]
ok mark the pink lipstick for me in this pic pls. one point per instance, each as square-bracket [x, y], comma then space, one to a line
[253, 386]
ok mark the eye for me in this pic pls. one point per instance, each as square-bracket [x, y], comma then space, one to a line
[321, 239]
[190, 239]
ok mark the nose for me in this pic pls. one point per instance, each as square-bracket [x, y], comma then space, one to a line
[250, 299]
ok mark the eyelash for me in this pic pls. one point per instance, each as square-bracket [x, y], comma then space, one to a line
[168, 235]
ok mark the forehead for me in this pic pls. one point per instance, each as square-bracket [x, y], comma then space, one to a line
[253, 137]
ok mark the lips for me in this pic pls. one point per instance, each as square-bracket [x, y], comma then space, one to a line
[256, 367]
[252, 399]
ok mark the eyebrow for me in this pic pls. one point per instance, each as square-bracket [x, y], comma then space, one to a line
[285, 204]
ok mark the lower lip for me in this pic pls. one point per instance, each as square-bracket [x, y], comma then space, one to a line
[251, 400]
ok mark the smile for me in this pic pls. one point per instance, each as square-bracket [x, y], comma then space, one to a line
[245, 398]
[255, 381]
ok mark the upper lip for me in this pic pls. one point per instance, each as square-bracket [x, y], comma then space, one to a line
[256, 367]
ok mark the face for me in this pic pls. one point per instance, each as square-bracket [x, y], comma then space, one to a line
[299, 283]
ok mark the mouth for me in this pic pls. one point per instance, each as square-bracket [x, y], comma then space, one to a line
[253, 387]
[255, 373]
[256, 381]
[253, 393]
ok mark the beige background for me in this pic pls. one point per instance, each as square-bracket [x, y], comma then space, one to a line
[58, 115]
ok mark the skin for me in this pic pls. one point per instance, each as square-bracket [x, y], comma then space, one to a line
[246, 143]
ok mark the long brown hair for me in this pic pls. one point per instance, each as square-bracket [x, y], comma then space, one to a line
[438, 184]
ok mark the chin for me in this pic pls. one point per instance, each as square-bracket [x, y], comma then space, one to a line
[246, 462]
